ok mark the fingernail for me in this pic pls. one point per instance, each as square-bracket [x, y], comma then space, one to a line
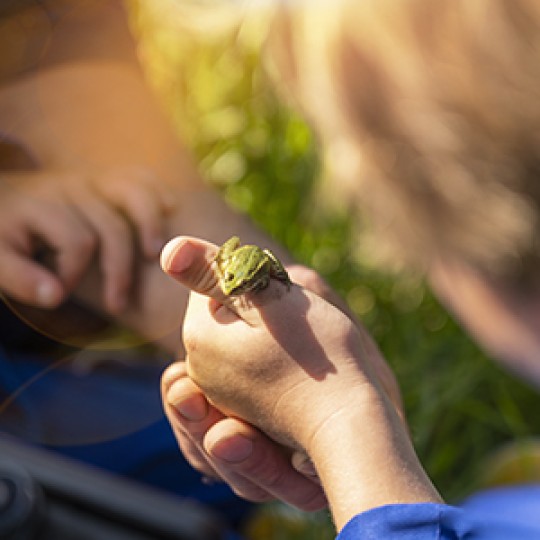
[193, 407]
[47, 294]
[176, 256]
[303, 464]
[233, 449]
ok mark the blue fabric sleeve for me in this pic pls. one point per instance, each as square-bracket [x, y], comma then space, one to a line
[429, 521]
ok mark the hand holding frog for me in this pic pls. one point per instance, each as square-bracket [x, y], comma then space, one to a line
[301, 371]
[198, 424]
[280, 352]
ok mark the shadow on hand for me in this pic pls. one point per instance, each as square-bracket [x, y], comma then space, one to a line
[291, 328]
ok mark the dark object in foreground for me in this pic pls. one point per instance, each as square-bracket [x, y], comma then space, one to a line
[47, 497]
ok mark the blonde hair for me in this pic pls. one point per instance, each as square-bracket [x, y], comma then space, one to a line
[432, 107]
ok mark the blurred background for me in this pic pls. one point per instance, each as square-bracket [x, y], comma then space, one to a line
[203, 58]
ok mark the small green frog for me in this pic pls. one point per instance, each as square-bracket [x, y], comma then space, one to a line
[247, 268]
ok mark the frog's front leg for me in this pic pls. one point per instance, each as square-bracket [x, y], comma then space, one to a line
[277, 270]
[227, 249]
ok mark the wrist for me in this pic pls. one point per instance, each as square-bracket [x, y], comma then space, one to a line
[307, 405]
[365, 458]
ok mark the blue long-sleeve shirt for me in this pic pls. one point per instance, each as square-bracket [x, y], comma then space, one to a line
[511, 513]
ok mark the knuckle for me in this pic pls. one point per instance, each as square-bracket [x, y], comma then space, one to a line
[190, 339]
[117, 227]
[193, 335]
[307, 277]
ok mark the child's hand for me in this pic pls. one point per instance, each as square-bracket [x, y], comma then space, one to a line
[72, 218]
[268, 355]
[232, 450]
[285, 361]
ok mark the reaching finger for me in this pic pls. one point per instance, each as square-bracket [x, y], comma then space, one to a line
[115, 246]
[137, 193]
[27, 281]
[35, 282]
[60, 228]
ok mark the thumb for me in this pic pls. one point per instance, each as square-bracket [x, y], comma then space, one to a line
[190, 261]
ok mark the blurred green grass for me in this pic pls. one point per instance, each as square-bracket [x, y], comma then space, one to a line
[264, 159]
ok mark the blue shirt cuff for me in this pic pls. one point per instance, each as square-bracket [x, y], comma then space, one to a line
[431, 521]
